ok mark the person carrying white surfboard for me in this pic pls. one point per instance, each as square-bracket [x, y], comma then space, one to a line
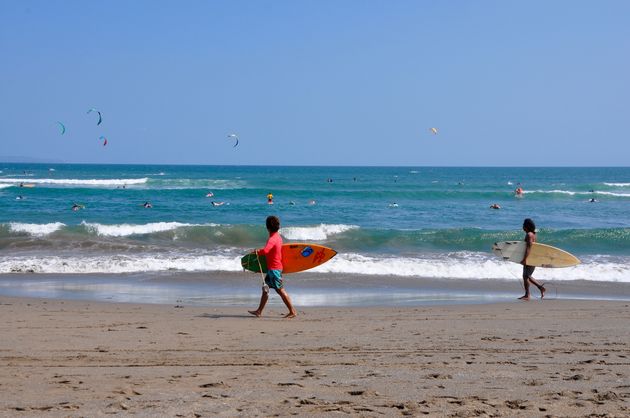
[530, 238]
[273, 279]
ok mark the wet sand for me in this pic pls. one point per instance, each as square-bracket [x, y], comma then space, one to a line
[307, 289]
[550, 358]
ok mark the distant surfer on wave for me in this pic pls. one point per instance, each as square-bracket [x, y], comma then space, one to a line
[530, 237]
[273, 279]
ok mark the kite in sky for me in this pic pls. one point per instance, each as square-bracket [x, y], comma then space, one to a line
[234, 136]
[434, 131]
[63, 127]
[102, 138]
[100, 117]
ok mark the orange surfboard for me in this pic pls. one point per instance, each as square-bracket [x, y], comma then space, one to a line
[295, 257]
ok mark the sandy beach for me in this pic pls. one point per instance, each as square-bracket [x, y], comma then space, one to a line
[550, 358]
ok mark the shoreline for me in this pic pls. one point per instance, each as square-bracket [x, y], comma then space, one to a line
[77, 358]
[306, 289]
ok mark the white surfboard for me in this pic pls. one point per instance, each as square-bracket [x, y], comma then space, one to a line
[541, 255]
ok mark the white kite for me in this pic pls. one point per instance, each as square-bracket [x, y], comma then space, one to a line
[234, 136]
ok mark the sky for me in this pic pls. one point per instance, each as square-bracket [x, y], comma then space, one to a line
[325, 82]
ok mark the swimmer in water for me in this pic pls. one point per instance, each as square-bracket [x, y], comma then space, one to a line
[495, 206]
[270, 199]
[147, 205]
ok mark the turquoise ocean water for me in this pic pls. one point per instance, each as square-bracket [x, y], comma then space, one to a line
[403, 221]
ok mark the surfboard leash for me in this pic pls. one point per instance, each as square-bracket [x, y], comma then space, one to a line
[549, 285]
[265, 287]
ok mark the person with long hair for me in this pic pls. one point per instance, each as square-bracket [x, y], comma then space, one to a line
[530, 238]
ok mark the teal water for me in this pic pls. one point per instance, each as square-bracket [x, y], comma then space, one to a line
[425, 222]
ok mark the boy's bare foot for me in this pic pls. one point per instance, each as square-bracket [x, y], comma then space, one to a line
[255, 313]
[526, 297]
[290, 315]
[542, 291]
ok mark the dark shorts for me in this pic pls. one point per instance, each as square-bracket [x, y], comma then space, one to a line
[528, 271]
[274, 279]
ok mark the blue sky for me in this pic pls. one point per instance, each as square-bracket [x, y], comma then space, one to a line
[317, 82]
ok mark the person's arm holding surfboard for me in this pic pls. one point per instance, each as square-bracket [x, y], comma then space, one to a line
[264, 251]
[528, 248]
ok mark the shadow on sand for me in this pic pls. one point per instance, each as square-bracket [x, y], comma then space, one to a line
[219, 316]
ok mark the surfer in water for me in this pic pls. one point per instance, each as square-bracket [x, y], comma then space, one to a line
[530, 238]
[273, 279]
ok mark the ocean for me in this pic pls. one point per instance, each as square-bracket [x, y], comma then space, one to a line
[414, 222]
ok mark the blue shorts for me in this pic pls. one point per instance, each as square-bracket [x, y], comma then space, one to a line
[274, 279]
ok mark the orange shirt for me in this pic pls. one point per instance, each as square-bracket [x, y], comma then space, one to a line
[273, 251]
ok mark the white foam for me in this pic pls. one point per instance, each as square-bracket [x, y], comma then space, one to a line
[614, 194]
[123, 230]
[468, 266]
[314, 233]
[571, 193]
[554, 192]
[183, 184]
[38, 230]
[81, 182]
[618, 184]
[118, 264]
[4, 186]
[472, 266]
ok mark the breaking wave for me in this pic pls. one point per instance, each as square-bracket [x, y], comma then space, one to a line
[460, 265]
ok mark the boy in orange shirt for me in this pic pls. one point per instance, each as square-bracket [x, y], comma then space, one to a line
[273, 279]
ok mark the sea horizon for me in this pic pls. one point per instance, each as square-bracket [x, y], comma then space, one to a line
[44, 162]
